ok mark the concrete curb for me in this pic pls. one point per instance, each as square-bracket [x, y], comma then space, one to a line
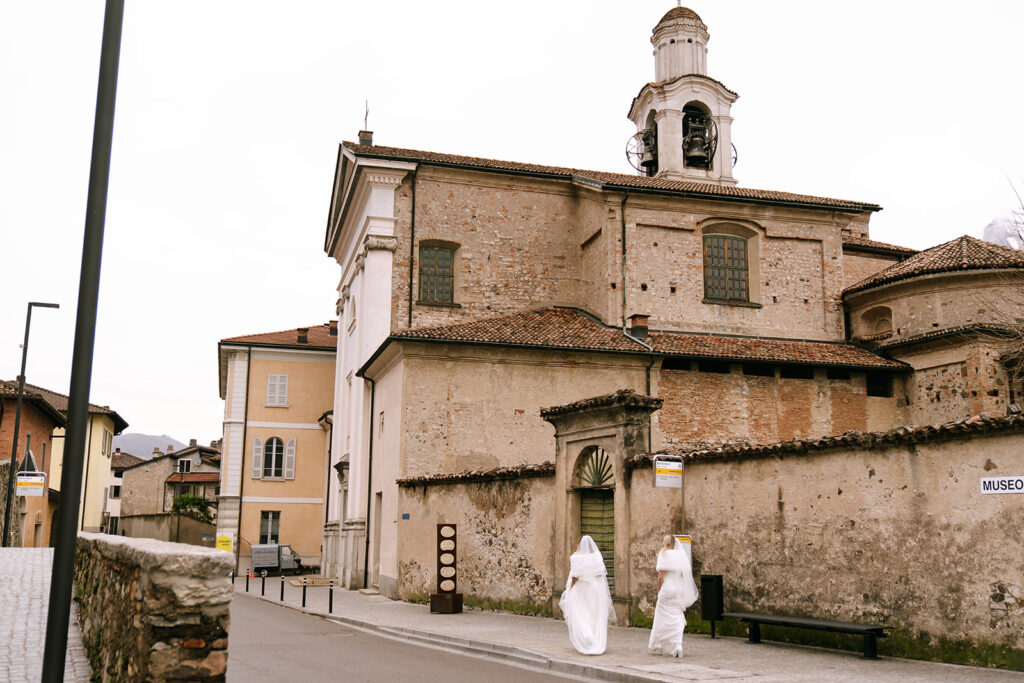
[494, 651]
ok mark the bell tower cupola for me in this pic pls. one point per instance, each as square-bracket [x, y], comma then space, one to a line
[684, 129]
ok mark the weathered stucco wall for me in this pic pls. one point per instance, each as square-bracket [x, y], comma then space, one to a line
[860, 266]
[899, 534]
[153, 611]
[505, 540]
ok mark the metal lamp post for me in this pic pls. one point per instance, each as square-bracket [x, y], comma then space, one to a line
[9, 503]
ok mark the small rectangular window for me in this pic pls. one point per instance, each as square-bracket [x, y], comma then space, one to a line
[270, 526]
[115, 491]
[715, 366]
[277, 390]
[838, 373]
[879, 384]
[184, 465]
[676, 364]
[796, 372]
[437, 274]
[759, 370]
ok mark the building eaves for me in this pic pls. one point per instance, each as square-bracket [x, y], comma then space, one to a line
[525, 471]
[997, 331]
[612, 181]
[622, 397]
[864, 245]
[60, 403]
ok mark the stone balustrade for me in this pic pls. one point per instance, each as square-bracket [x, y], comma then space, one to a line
[152, 610]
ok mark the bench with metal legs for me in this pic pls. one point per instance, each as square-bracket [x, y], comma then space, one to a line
[871, 632]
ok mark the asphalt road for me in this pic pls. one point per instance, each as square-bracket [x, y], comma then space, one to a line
[267, 642]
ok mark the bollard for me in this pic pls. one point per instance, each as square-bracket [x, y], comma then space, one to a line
[247, 581]
[303, 591]
[282, 587]
[263, 582]
[330, 597]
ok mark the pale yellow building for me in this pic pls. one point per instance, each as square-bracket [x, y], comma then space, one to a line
[104, 425]
[278, 391]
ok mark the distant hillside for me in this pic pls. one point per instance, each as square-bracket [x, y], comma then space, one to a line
[142, 445]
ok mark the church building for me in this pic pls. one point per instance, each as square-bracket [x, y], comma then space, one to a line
[519, 332]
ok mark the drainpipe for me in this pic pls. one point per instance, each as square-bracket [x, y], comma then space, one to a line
[622, 215]
[241, 471]
[412, 240]
[369, 486]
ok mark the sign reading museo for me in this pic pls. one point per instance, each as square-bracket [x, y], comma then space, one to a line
[1002, 484]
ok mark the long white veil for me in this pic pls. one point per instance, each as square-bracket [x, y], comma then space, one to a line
[587, 601]
[677, 560]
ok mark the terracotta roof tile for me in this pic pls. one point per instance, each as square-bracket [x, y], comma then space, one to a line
[622, 397]
[525, 471]
[996, 331]
[862, 243]
[615, 180]
[318, 336]
[60, 403]
[568, 328]
[679, 13]
[119, 461]
[193, 478]
[771, 350]
[562, 328]
[963, 253]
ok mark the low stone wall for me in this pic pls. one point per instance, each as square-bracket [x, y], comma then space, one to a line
[15, 519]
[504, 550]
[152, 610]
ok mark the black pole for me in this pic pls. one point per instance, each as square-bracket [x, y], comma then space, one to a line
[58, 613]
[9, 503]
[303, 591]
[330, 597]
[282, 587]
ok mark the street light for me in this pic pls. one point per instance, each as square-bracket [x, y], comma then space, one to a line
[17, 423]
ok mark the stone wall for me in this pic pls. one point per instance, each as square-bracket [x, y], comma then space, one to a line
[896, 533]
[15, 540]
[153, 611]
[505, 536]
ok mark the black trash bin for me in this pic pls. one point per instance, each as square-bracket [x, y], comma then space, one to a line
[712, 604]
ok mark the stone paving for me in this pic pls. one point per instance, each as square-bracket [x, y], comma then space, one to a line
[543, 643]
[24, 597]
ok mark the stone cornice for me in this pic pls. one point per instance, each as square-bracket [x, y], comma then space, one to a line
[526, 471]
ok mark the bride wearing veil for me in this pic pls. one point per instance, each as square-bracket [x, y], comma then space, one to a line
[676, 592]
[587, 601]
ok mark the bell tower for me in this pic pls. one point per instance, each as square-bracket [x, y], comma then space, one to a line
[684, 130]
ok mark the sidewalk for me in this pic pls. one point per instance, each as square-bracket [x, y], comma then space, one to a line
[24, 598]
[543, 643]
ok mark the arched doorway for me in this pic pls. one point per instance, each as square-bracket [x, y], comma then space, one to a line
[594, 480]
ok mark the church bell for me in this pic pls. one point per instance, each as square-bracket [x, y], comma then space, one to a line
[695, 149]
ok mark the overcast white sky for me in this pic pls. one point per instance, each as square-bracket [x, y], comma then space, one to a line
[229, 115]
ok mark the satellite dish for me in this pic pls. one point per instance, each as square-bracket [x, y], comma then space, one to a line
[196, 460]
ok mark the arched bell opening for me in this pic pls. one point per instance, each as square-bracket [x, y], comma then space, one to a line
[642, 148]
[700, 136]
[593, 482]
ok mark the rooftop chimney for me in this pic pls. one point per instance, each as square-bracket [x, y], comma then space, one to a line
[170, 448]
[191, 443]
[332, 328]
[156, 452]
[303, 335]
[117, 450]
[366, 138]
[638, 325]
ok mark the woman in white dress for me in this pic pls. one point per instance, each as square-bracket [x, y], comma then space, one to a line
[676, 592]
[587, 601]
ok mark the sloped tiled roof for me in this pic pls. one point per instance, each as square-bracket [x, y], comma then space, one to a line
[194, 478]
[963, 253]
[562, 328]
[119, 461]
[30, 394]
[613, 180]
[60, 403]
[319, 336]
[995, 331]
[864, 244]
[567, 328]
[770, 351]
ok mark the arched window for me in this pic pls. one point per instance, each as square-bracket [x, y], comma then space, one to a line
[273, 459]
[726, 268]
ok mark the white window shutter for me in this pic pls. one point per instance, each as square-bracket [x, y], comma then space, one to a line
[282, 390]
[271, 390]
[289, 459]
[257, 457]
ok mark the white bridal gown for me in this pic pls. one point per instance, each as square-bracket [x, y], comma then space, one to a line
[587, 606]
[678, 591]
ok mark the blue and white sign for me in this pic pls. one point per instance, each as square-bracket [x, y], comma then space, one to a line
[1002, 484]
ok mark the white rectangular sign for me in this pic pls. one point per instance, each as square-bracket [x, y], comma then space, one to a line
[668, 473]
[1002, 484]
[31, 484]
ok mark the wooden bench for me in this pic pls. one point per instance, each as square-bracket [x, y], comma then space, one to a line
[871, 632]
